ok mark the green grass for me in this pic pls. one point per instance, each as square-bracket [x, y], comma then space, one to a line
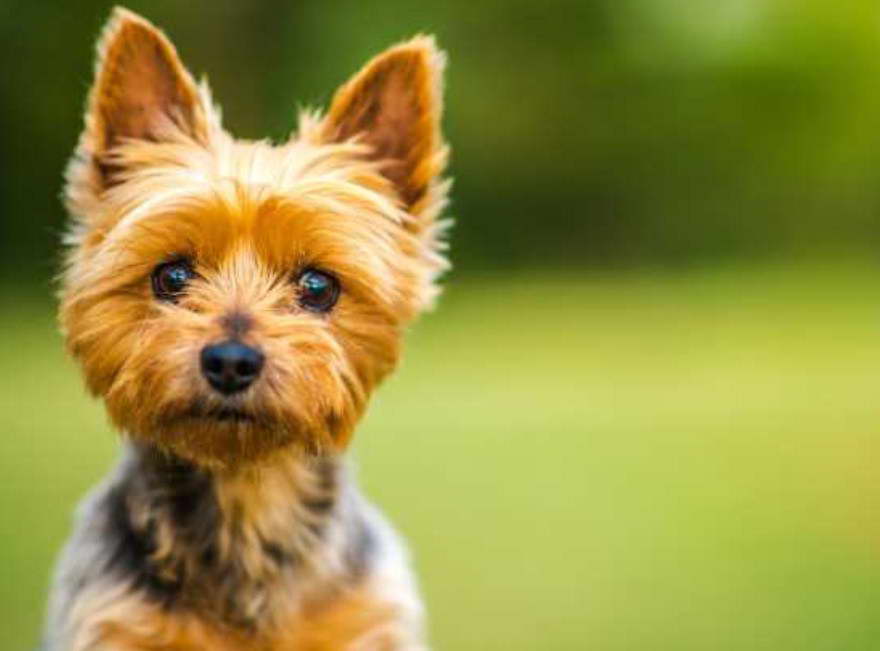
[644, 461]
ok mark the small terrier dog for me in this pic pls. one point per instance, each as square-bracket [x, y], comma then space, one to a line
[234, 304]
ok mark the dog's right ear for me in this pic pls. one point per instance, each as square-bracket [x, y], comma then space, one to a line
[141, 92]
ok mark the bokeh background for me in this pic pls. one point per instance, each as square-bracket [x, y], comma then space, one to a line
[646, 414]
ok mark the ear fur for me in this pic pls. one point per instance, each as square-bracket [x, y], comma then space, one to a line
[141, 92]
[394, 105]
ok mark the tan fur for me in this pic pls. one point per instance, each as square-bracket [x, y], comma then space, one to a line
[358, 621]
[357, 193]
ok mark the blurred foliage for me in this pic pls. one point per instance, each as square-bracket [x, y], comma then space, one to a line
[585, 132]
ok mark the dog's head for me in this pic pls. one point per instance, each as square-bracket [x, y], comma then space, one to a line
[228, 298]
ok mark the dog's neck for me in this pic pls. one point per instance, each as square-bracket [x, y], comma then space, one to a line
[220, 542]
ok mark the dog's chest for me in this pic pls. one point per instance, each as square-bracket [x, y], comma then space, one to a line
[355, 618]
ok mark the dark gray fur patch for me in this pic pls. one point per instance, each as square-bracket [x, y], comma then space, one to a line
[363, 546]
[160, 488]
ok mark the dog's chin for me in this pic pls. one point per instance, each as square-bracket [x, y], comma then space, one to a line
[224, 436]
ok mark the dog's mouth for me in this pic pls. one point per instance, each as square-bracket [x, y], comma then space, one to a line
[227, 414]
[223, 414]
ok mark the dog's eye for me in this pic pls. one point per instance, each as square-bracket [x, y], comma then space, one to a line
[171, 278]
[318, 290]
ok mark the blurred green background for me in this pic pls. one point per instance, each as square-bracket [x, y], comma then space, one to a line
[645, 416]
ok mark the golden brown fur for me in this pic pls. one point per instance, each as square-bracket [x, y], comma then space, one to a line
[155, 178]
[356, 620]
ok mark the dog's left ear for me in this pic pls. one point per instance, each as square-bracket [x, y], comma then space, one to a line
[394, 105]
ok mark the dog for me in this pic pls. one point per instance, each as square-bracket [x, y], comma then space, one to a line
[235, 304]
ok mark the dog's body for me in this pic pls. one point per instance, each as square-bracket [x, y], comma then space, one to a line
[170, 557]
[235, 304]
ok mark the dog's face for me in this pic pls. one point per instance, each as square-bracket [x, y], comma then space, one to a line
[228, 299]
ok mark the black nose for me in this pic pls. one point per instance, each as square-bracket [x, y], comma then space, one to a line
[231, 366]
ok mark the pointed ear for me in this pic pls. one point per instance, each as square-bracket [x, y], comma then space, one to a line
[394, 104]
[141, 92]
